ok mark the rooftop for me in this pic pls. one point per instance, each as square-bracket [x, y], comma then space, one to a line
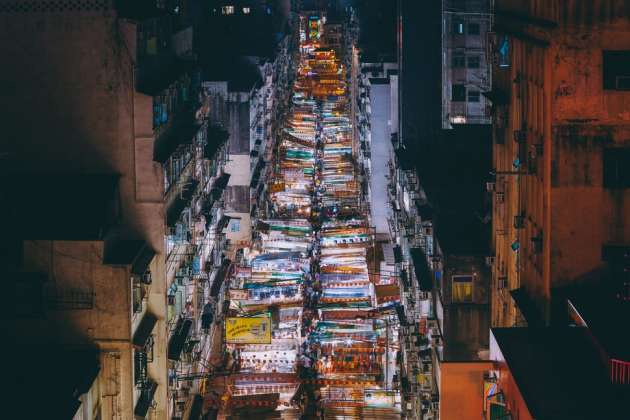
[605, 313]
[558, 373]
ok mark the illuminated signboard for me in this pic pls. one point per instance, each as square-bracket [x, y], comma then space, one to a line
[255, 330]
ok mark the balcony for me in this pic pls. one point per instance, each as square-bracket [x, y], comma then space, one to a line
[145, 400]
[183, 131]
[216, 138]
[178, 338]
[180, 202]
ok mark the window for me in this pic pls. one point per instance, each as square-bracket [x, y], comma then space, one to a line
[616, 70]
[227, 10]
[473, 96]
[235, 226]
[246, 10]
[458, 93]
[462, 289]
[458, 27]
[474, 62]
[458, 61]
[616, 168]
[473, 29]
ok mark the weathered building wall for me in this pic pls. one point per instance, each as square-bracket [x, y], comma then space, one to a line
[557, 122]
[585, 215]
[69, 106]
[76, 275]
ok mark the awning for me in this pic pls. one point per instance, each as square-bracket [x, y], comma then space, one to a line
[143, 259]
[178, 339]
[262, 227]
[386, 293]
[145, 400]
[143, 332]
[402, 319]
[183, 131]
[216, 137]
[207, 316]
[225, 220]
[219, 185]
[421, 266]
[219, 278]
[256, 174]
[181, 202]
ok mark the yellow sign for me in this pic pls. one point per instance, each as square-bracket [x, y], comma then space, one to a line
[279, 187]
[255, 330]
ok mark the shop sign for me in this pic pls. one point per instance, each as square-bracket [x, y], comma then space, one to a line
[278, 187]
[255, 330]
[380, 398]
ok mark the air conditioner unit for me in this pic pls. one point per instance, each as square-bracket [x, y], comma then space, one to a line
[490, 261]
[491, 186]
[502, 282]
[146, 278]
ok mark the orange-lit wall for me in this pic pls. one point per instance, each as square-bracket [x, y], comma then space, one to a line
[461, 391]
[556, 102]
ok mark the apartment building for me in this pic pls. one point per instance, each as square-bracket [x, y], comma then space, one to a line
[560, 185]
[247, 90]
[466, 71]
[131, 241]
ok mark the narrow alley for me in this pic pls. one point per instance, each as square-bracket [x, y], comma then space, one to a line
[304, 334]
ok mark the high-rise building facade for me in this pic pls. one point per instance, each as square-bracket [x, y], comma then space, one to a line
[466, 71]
[123, 260]
[560, 186]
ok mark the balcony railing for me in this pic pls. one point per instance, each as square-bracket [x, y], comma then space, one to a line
[620, 372]
[61, 299]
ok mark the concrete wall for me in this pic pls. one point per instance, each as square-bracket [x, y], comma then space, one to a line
[555, 86]
[584, 215]
[57, 119]
[461, 389]
[77, 266]
[239, 169]
[506, 383]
